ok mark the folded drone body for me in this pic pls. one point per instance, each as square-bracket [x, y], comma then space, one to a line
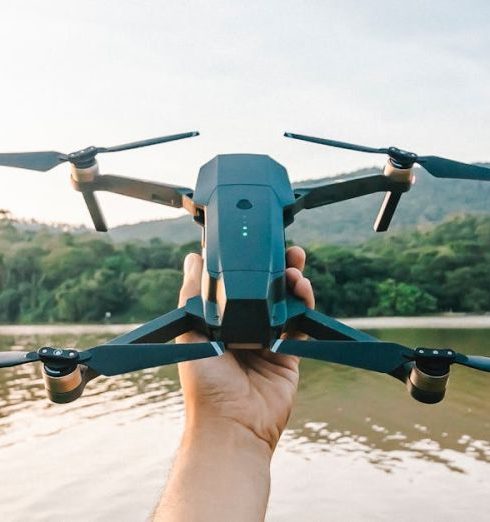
[244, 202]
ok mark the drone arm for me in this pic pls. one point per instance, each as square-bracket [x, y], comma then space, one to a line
[317, 196]
[332, 338]
[162, 193]
[116, 359]
[424, 371]
[376, 356]
[66, 383]
[141, 348]
[330, 333]
[167, 326]
[323, 327]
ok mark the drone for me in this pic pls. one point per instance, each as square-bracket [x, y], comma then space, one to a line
[243, 203]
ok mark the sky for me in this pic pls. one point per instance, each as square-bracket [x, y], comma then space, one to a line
[410, 74]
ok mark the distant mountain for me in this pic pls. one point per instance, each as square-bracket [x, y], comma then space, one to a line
[430, 201]
[178, 230]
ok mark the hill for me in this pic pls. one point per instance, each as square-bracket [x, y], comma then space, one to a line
[430, 201]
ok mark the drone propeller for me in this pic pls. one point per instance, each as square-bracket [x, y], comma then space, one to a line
[438, 167]
[47, 160]
[114, 359]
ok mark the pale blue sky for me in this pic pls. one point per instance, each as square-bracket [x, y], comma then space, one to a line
[413, 74]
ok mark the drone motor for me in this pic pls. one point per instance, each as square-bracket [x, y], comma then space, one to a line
[425, 387]
[429, 375]
[405, 177]
[63, 385]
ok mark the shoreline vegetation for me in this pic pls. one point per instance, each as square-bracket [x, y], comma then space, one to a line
[65, 277]
[442, 322]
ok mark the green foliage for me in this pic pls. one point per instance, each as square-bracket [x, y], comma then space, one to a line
[90, 296]
[9, 305]
[401, 299]
[446, 268]
[48, 276]
[154, 291]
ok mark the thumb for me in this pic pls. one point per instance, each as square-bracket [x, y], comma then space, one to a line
[191, 285]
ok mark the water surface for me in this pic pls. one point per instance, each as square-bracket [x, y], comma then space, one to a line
[357, 448]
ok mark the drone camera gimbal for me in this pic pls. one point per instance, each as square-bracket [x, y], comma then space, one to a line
[243, 203]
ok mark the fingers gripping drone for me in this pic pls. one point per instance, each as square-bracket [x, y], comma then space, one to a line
[243, 202]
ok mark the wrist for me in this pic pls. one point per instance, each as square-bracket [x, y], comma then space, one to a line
[227, 434]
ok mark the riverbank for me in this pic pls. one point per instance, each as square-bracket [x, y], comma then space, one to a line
[363, 323]
[455, 321]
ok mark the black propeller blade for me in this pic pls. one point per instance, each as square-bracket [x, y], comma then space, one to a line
[15, 358]
[46, 160]
[479, 362]
[41, 161]
[334, 143]
[445, 168]
[438, 167]
[148, 142]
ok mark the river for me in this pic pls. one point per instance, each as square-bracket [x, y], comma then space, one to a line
[357, 446]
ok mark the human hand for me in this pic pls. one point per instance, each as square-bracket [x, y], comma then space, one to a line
[253, 389]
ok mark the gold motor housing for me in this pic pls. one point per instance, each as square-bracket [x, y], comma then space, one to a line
[427, 388]
[65, 385]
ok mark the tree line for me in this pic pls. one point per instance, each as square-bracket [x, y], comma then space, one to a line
[48, 276]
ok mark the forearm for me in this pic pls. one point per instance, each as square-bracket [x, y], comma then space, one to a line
[221, 473]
